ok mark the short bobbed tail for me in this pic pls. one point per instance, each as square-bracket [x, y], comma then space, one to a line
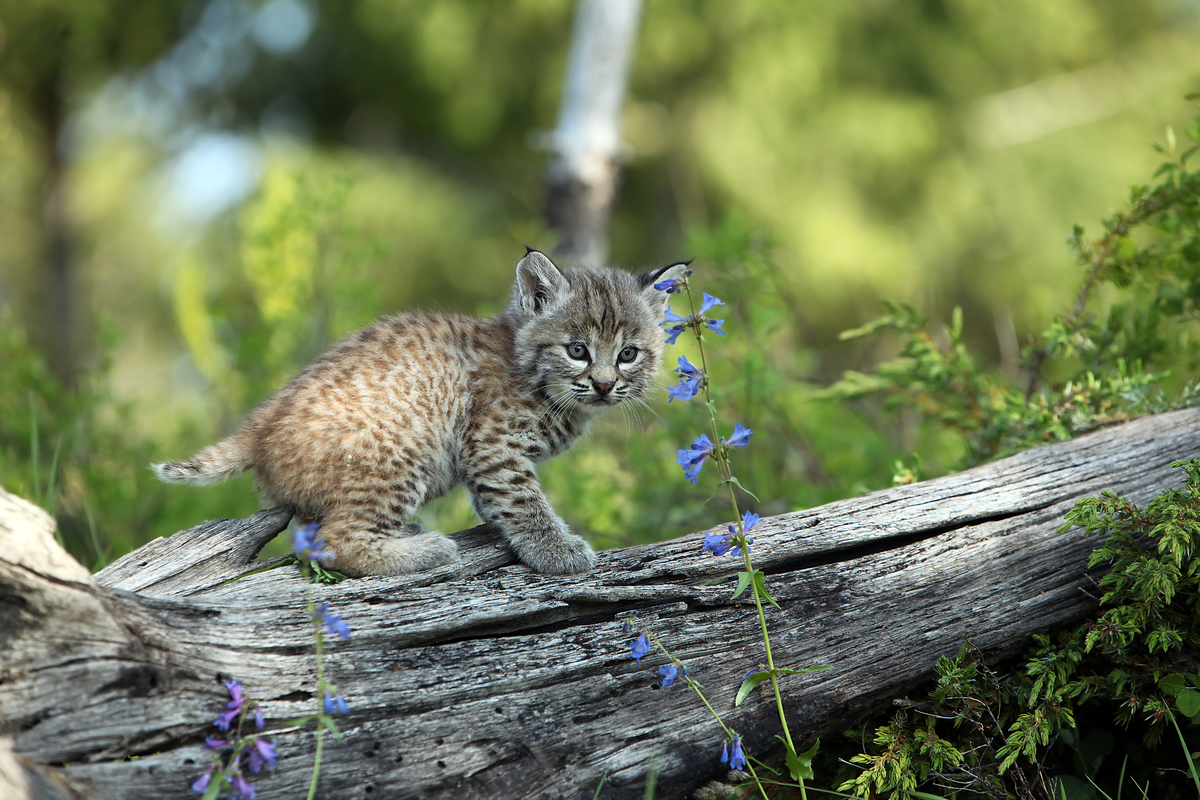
[213, 464]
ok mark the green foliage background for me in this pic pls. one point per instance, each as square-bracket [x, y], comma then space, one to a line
[812, 158]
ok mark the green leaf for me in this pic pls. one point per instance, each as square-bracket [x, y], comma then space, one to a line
[760, 584]
[748, 686]
[800, 764]
[1173, 684]
[298, 722]
[805, 671]
[743, 581]
[733, 479]
[332, 726]
[1188, 703]
[1072, 788]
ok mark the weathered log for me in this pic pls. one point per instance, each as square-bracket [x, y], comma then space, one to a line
[484, 680]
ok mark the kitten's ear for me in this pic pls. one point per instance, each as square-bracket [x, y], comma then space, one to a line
[539, 283]
[658, 297]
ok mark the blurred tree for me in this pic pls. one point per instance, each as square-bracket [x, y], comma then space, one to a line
[53, 53]
[583, 175]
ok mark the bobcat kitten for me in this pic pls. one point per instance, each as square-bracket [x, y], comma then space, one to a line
[410, 407]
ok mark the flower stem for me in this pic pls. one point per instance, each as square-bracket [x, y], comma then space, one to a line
[721, 457]
[319, 639]
[695, 688]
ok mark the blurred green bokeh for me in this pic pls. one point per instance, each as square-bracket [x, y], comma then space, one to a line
[813, 157]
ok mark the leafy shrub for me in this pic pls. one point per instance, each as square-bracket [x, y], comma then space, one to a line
[1104, 361]
[1046, 725]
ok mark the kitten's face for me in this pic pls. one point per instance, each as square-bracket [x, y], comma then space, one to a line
[591, 338]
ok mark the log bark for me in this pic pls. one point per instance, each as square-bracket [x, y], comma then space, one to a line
[484, 680]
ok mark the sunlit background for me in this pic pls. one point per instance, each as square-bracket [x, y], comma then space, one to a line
[197, 196]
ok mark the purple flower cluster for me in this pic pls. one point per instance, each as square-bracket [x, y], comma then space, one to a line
[736, 759]
[307, 546]
[333, 622]
[639, 647]
[691, 381]
[333, 700]
[721, 543]
[670, 672]
[675, 324]
[692, 459]
[257, 754]
[233, 707]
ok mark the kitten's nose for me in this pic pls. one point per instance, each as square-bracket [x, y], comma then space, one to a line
[602, 388]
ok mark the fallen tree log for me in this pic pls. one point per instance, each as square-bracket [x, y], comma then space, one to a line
[484, 680]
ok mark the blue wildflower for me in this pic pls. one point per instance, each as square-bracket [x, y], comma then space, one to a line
[333, 622]
[670, 672]
[691, 377]
[212, 743]
[628, 626]
[244, 790]
[233, 707]
[332, 700]
[261, 752]
[721, 543]
[725, 753]
[741, 436]
[709, 302]
[201, 783]
[692, 460]
[747, 675]
[639, 647]
[306, 546]
[714, 325]
[670, 285]
[677, 324]
[258, 718]
[736, 552]
[737, 759]
[716, 543]
[684, 391]
[687, 369]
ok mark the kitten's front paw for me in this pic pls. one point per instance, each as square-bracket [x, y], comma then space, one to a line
[561, 554]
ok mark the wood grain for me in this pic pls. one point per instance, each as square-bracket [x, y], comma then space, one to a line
[484, 680]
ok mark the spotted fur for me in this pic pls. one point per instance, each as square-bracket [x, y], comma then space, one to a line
[412, 406]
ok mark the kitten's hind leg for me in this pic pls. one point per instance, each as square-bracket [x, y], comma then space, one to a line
[362, 547]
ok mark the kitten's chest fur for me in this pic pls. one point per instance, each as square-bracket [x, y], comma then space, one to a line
[430, 390]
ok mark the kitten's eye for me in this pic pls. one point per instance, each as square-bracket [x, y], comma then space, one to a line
[626, 355]
[577, 351]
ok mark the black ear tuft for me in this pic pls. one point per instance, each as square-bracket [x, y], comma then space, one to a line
[650, 278]
[529, 250]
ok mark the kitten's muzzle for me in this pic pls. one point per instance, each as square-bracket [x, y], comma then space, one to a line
[602, 388]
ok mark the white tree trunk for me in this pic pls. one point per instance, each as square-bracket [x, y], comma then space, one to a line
[582, 179]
